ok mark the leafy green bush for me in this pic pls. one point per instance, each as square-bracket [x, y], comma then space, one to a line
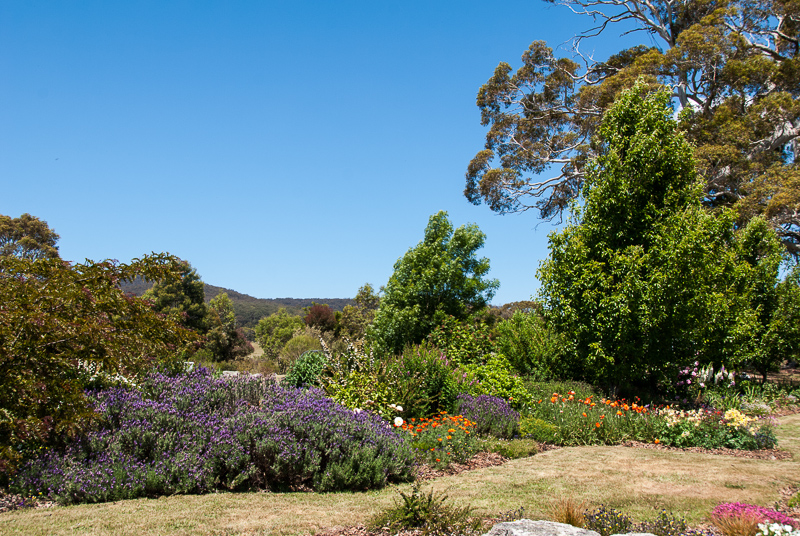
[538, 429]
[306, 370]
[530, 345]
[433, 367]
[299, 344]
[359, 379]
[428, 512]
[494, 378]
[462, 341]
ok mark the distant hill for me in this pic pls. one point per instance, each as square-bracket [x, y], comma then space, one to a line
[249, 310]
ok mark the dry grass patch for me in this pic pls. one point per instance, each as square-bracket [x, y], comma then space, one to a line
[637, 481]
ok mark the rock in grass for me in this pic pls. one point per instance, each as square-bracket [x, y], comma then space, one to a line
[526, 527]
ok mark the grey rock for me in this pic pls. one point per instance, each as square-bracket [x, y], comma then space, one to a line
[526, 527]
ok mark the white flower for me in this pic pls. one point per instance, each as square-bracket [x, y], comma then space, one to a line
[398, 421]
[357, 410]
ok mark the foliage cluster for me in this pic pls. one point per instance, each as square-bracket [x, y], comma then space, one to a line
[65, 327]
[463, 342]
[645, 281]
[306, 370]
[428, 512]
[193, 433]
[440, 277]
[496, 378]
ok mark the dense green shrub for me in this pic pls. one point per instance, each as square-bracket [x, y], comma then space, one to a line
[494, 378]
[464, 341]
[440, 276]
[645, 281]
[299, 344]
[531, 346]
[306, 370]
[359, 379]
[538, 429]
[439, 388]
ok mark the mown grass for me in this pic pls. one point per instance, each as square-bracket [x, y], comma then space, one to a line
[636, 481]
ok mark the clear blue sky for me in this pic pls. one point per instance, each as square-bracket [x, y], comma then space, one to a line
[284, 148]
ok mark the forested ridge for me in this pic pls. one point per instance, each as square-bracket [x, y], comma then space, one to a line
[247, 308]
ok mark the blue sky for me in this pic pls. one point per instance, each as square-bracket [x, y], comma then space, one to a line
[284, 148]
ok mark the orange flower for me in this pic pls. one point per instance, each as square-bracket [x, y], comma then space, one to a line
[438, 460]
[583, 414]
[597, 425]
[449, 437]
[602, 416]
[656, 441]
[619, 413]
[440, 439]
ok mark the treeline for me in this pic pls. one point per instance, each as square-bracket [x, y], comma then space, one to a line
[248, 310]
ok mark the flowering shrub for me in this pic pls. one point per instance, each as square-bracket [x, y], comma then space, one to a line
[195, 433]
[776, 529]
[582, 421]
[442, 439]
[491, 415]
[607, 521]
[762, 514]
[711, 429]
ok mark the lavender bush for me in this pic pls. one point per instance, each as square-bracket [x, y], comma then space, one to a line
[194, 433]
[491, 415]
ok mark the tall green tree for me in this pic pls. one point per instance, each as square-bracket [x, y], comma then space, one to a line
[440, 276]
[63, 327]
[644, 280]
[275, 330]
[224, 340]
[356, 318]
[732, 67]
[27, 237]
[184, 295]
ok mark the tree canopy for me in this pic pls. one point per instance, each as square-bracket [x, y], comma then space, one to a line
[27, 237]
[732, 68]
[440, 276]
[184, 296]
[63, 327]
[644, 280]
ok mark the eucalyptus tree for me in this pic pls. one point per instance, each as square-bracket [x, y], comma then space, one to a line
[732, 68]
